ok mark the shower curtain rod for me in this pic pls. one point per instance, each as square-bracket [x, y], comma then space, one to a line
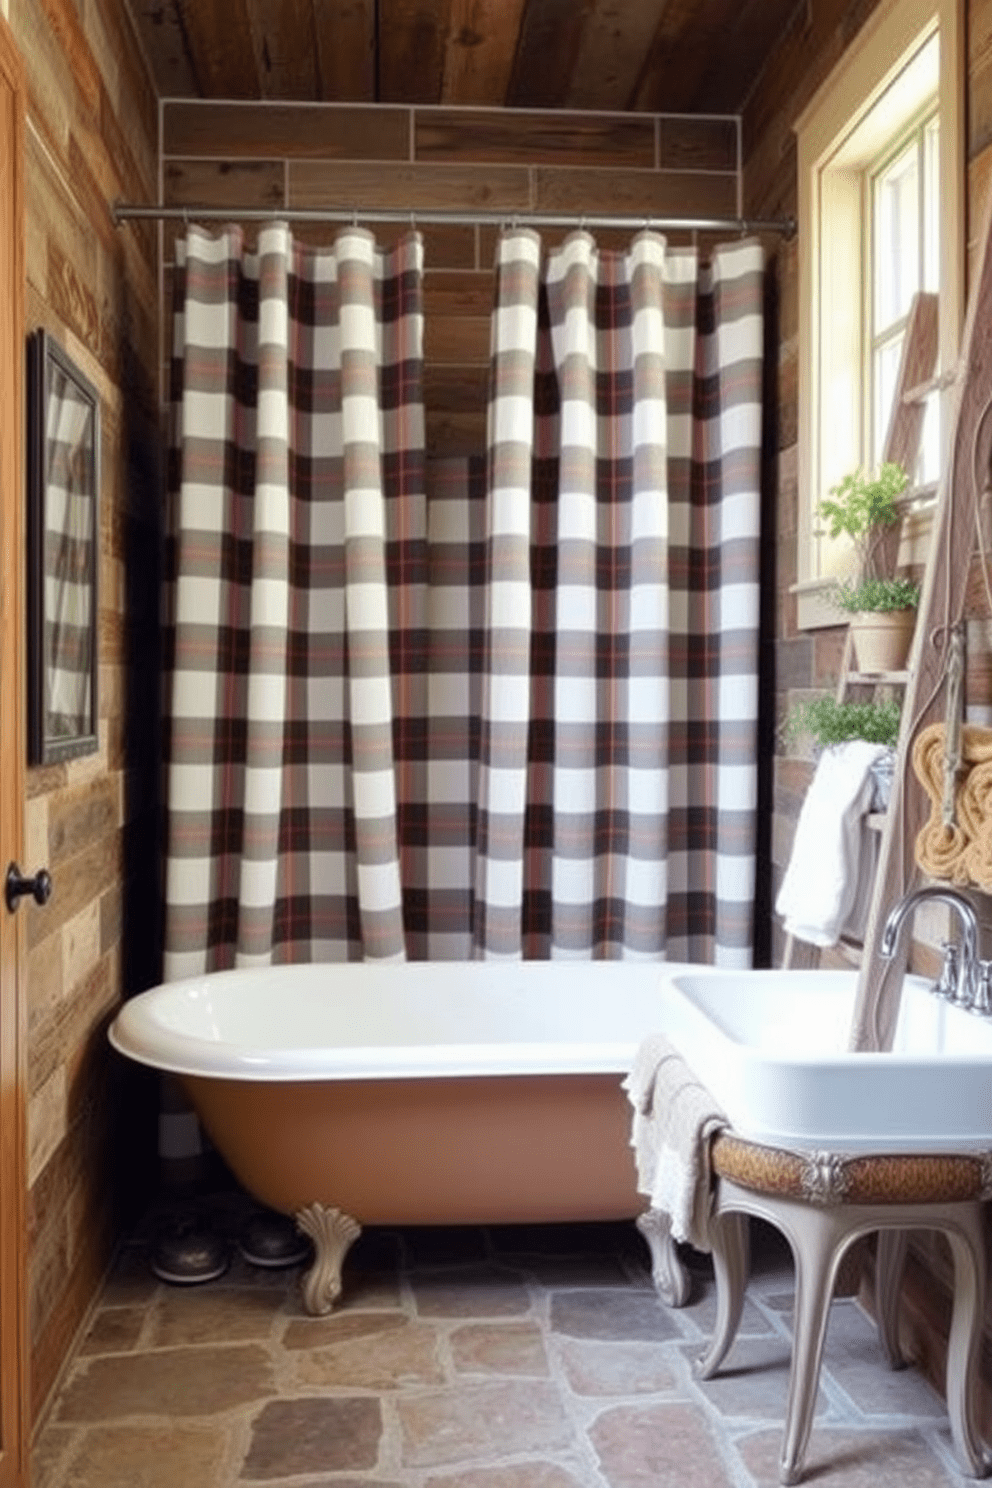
[127, 212]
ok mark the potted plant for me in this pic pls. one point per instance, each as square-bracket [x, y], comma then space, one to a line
[883, 617]
[882, 607]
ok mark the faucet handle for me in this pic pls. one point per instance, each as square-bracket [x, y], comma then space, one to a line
[981, 1003]
[947, 984]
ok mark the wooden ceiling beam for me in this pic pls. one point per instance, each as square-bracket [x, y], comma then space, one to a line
[751, 32]
[158, 24]
[682, 48]
[219, 45]
[412, 36]
[285, 48]
[616, 39]
[549, 44]
[345, 34]
[480, 50]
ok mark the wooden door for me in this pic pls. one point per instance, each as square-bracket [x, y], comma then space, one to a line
[13, 1282]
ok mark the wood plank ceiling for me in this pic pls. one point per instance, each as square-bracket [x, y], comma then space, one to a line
[671, 56]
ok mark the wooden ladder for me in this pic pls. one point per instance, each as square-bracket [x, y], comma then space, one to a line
[915, 381]
[941, 607]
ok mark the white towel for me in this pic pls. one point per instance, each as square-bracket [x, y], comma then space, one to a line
[826, 880]
[674, 1118]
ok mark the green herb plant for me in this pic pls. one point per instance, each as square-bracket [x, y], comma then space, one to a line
[877, 594]
[862, 506]
[830, 722]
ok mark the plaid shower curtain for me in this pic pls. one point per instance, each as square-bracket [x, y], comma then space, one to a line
[618, 777]
[492, 707]
[298, 448]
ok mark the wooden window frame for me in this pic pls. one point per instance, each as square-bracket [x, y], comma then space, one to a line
[875, 58]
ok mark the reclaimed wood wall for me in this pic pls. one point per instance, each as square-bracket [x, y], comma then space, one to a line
[807, 662]
[92, 137]
[296, 155]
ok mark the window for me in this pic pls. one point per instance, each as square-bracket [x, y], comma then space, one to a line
[905, 257]
[880, 216]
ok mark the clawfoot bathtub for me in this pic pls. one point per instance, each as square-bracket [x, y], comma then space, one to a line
[427, 1093]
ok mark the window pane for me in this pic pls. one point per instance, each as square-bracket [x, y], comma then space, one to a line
[897, 238]
[886, 370]
[931, 206]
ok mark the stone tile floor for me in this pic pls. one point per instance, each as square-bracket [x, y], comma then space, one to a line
[531, 1357]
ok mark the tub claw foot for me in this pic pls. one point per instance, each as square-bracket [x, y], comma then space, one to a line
[333, 1233]
[671, 1279]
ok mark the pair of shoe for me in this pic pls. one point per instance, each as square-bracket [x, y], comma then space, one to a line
[189, 1252]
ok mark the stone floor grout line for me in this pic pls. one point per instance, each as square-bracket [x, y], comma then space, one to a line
[390, 1455]
[445, 1352]
[68, 1452]
[569, 1398]
[407, 1295]
[146, 1331]
[238, 1441]
[581, 1412]
[733, 1461]
[939, 1442]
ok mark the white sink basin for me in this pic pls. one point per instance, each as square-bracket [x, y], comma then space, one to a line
[771, 1046]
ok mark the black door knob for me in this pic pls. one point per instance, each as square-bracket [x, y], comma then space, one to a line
[16, 886]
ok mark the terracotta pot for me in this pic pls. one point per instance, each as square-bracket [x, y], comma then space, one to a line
[882, 639]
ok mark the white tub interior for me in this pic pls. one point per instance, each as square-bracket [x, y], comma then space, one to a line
[419, 1019]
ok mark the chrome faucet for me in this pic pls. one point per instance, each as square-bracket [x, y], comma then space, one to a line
[965, 980]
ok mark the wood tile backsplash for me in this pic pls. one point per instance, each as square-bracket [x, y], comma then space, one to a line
[279, 156]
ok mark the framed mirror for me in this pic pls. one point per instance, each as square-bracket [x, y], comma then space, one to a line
[63, 554]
